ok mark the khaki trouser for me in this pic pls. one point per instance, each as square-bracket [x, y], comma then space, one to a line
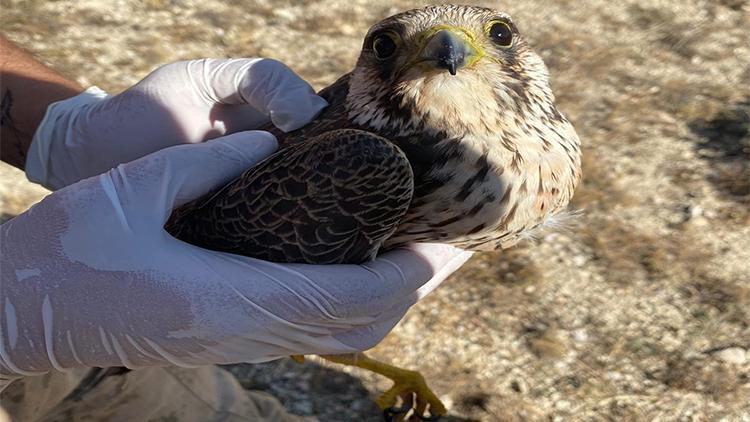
[168, 394]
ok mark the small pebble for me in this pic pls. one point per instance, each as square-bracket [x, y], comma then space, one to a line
[614, 375]
[734, 355]
[579, 260]
[563, 405]
[695, 211]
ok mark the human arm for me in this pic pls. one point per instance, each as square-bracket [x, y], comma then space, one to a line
[27, 88]
[182, 102]
[90, 278]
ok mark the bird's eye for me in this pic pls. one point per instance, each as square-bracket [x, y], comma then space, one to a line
[501, 34]
[384, 46]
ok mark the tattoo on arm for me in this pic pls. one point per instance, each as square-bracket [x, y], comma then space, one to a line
[6, 120]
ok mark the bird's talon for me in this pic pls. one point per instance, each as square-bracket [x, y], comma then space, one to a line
[411, 384]
[398, 410]
[390, 413]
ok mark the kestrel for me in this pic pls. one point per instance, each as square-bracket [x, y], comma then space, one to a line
[445, 131]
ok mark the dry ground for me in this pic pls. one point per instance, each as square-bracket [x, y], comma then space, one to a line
[640, 312]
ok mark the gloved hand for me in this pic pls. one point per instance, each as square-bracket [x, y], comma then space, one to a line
[90, 277]
[183, 102]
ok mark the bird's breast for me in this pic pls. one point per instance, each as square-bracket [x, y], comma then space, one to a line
[475, 194]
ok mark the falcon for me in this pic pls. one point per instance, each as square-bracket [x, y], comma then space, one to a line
[445, 131]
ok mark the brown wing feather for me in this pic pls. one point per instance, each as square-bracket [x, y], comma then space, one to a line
[332, 199]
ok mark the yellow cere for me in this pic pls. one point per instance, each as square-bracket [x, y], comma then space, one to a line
[464, 33]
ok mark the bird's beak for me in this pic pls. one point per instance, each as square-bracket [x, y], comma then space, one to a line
[449, 49]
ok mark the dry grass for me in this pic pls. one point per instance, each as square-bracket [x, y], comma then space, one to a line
[615, 319]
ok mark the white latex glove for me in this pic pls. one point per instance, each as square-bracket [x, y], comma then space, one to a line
[91, 278]
[183, 102]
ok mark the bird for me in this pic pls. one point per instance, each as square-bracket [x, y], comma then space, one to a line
[446, 131]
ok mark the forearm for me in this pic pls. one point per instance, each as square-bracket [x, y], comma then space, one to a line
[27, 88]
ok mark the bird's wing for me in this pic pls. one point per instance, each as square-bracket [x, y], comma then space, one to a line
[331, 118]
[331, 199]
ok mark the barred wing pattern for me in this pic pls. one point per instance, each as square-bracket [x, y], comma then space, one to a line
[334, 198]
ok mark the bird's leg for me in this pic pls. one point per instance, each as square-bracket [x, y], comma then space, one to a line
[409, 385]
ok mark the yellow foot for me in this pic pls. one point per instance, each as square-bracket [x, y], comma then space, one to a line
[298, 358]
[415, 396]
[417, 400]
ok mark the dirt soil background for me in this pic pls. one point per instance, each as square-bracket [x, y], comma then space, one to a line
[641, 311]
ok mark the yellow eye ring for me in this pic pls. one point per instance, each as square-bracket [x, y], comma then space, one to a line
[499, 32]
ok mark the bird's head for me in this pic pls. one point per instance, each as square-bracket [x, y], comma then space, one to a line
[445, 65]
